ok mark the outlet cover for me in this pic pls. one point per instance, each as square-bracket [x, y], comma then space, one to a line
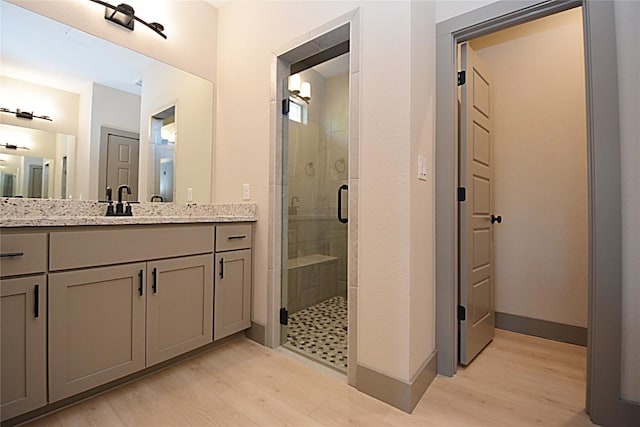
[246, 192]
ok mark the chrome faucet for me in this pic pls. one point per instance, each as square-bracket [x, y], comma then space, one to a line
[120, 211]
[293, 208]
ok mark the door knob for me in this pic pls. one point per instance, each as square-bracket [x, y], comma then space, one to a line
[495, 219]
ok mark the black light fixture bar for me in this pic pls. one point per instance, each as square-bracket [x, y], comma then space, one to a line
[13, 146]
[24, 114]
[115, 14]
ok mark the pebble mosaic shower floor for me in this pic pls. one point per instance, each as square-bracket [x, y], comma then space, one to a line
[320, 332]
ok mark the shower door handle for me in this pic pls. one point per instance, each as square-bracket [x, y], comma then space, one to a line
[340, 217]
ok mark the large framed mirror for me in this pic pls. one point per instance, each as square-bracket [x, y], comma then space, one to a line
[107, 102]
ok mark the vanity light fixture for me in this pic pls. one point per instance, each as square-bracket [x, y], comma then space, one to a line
[299, 89]
[124, 15]
[25, 114]
[14, 147]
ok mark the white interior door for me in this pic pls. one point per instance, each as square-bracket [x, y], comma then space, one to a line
[477, 268]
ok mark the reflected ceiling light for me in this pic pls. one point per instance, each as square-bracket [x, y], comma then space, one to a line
[299, 89]
[14, 146]
[25, 114]
[124, 15]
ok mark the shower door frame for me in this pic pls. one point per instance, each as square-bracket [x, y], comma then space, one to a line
[280, 71]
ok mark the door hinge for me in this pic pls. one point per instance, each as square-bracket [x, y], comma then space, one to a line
[462, 77]
[462, 313]
[462, 194]
[284, 316]
[285, 106]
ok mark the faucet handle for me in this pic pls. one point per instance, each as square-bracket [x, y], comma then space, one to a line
[109, 194]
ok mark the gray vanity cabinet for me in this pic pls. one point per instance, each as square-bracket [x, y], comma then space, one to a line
[96, 327]
[125, 298]
[23, 344]
[179, 306]
[232, 301]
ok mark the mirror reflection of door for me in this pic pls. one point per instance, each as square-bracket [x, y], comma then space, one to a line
[163, 141]
[122, 163]
[7, 184]
[63, 189]
[45, 180]
[35, 181]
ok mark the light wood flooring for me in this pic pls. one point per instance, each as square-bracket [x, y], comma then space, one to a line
[517, 381]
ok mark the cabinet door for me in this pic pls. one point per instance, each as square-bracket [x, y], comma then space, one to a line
[232, 307]
[23, 315]
[179, 306]
[96, 327]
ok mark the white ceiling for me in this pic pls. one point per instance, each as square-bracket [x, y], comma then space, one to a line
[63, 57]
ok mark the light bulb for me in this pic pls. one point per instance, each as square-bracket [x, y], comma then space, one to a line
[305, 90]
[294, 83]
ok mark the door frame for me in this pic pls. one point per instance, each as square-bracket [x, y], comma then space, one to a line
[603, 401]
[280, 70]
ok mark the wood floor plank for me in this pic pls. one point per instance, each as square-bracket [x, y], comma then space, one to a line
[516, 381]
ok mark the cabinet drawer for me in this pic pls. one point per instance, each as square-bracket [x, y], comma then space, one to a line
[23, 254]
[87, 248]
[232, 237]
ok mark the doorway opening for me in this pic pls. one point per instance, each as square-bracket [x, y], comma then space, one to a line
[603, 402]
[315, 195]
[523, 223]
[314, 207]
[163, 146]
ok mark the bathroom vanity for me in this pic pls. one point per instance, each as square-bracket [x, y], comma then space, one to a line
[88, 301]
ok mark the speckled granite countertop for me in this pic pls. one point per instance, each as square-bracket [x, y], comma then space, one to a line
[16, 212]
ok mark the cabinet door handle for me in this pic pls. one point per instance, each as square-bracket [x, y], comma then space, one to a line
[155, 280]
[244, 236]
[11, 254]
[36, 301]
[222, 268]
[140, 277]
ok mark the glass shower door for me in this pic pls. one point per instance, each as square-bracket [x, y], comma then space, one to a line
[315, 178]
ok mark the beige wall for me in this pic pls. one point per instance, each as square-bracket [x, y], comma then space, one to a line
[539, 120]
[193, 97]
[628, 33]
[446, 9]
[60, 105]
[421, 206]
[249, 34]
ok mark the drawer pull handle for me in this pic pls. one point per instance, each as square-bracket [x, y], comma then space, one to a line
[11, 254]
[244, 236]
[36, 301]
[140, 277]
[155, 280]
[222, 268]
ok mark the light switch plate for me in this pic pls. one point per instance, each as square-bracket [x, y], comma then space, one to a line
[246, 192]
